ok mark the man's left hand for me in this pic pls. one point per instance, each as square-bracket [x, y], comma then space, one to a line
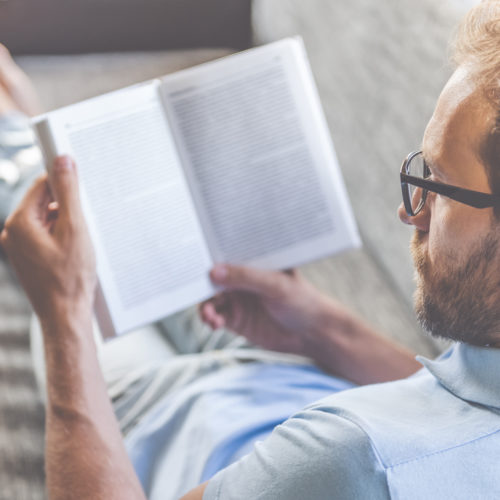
[47, 242]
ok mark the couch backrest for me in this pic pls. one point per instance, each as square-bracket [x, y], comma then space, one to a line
[380, 67]
[79, 26]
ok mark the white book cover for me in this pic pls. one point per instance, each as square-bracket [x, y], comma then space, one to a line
[228, 161]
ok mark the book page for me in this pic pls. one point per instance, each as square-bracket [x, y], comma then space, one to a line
[152, 257]
[260, 161]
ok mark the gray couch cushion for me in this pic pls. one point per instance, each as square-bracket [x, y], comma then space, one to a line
[380, 67]
[62, 80]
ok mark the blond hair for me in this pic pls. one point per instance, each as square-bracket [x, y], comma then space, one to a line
[477, 43]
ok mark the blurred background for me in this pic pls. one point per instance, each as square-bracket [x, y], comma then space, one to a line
[379, 67]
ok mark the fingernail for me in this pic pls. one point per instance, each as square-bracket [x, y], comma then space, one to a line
[64, 162]
[220, 272]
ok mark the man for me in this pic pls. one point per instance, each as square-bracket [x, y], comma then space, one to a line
[432, 435]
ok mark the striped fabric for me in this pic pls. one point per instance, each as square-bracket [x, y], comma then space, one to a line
[21, 411]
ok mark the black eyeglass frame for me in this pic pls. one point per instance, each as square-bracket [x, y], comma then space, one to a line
[469, 197]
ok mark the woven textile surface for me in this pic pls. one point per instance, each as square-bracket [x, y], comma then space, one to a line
[21, 411]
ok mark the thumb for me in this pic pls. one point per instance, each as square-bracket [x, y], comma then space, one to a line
[270, 284]
[63, 182]
[29, 216]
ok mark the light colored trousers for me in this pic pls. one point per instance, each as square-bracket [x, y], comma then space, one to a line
[142, 367]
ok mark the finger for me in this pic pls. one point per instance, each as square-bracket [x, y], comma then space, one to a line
[52, 212]
[52, 216]
[202, 311]
[221, 303]
[210, 316]
[225, 305]
[219, 322]
[33, 208]
[218, 310]
[26, 228]
[270, 284]
[205, 311]
[63, 181]
[37, 198]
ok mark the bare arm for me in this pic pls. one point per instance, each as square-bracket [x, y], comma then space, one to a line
[348, 347]
[283, 312]
[85, 454]
[52, 255]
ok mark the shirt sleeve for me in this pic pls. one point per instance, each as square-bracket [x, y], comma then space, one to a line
[316, 454]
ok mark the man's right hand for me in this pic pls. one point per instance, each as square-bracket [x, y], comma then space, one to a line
[51, 250]
[280, 311]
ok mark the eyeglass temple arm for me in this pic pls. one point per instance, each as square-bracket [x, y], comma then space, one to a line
[473, 198]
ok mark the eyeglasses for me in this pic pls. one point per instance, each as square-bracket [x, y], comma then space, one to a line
[416, 186]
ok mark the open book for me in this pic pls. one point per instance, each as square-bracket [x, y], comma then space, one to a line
[229, 161]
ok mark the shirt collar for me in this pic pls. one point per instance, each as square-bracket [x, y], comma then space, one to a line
[471, 373]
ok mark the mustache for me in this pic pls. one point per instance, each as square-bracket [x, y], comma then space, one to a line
[418, 237]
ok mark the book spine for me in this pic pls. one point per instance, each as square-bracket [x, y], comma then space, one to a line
[49, 150]
[45, 141]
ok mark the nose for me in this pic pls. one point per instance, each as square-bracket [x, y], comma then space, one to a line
[420, 221]
[403, 216]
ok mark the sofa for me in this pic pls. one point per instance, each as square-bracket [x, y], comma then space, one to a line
[379, 67]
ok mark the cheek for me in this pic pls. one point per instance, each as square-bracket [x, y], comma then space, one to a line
[444, 233]
[454, 228]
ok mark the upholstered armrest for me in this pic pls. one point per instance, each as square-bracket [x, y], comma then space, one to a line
[79, 26]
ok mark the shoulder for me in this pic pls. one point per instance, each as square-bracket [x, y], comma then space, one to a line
[412, 418]
[391, 435]
[311, 455]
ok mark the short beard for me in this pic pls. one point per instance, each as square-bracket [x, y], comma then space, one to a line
[459, 301]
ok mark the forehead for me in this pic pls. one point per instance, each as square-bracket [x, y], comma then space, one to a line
[454, 136]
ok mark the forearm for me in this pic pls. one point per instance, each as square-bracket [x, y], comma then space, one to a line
[85, 455]
[346, 346]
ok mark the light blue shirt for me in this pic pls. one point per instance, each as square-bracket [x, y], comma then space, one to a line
[434, 435]
[203, 426]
